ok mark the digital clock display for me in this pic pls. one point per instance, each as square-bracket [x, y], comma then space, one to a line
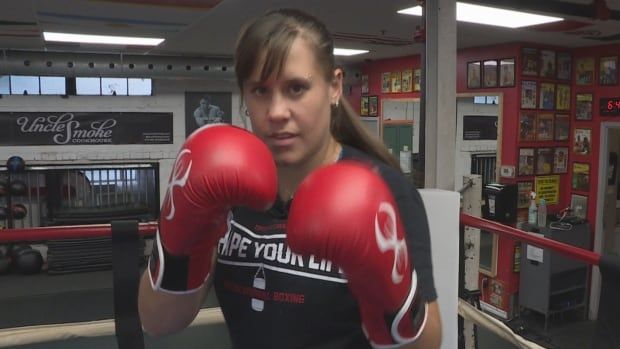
[610, 106]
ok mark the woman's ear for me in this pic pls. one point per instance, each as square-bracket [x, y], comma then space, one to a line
[336, 85]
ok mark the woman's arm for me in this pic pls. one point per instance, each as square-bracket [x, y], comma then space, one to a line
[431, 335]
[164, 313]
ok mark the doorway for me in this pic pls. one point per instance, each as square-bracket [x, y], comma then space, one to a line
[607, 234]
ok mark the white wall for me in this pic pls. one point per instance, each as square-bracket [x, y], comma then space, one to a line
[465, 149]
[168, 97]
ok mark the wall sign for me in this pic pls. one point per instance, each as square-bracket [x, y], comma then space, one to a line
[548, 188]
[609, 106]
[479, 127]
[84, 128]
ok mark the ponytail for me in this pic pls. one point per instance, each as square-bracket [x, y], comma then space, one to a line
[347, 128]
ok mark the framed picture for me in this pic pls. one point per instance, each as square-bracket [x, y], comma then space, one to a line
[386, 82]
[608, 71]
[527, 126]
[581, 176]
[407, 81]
[544, 127]
[396, 81]
[560, 160]
[373, 105]
[364, 106]
[529, 59]
[526, 161]
[489, 73]
[523, 193]
[507, 72]
[547, 96]
[473, 75]
[579, 205]
[365, 88]
[547, 63]
[561, 127]
[564, 64]
[528, 94]
[417, 78]
[562, 97]
[202, 108]
[544, 161]
[585, 71]
[582, 141]
[583, 106]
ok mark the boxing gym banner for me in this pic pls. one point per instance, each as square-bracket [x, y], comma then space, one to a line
[84, 128]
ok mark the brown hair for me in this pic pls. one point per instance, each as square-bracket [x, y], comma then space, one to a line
[269, 38]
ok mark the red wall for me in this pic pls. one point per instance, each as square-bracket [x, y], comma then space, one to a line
[511, 110]
[595, 124]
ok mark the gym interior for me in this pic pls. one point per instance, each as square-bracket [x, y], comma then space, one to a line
[520, 119]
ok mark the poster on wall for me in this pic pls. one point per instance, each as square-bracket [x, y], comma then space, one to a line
[407, 80]
[560, 160]
[528, 95]
[529, 59]
[582, 141]
[547, 63]
[547, 96]
[473, 75]
[563, 97]
[548, 188]
[564, 66]
[544, 127]
[585, 71]
[583, 106]
[544, 161]
[507, 72]
[524, 189]
[386, 82]
[85, 128]
[608, 71]
[527, 126]
[581, 176]
[561, 127]
[526, 161]
[417, 78]
[365, 87]
[203, 108]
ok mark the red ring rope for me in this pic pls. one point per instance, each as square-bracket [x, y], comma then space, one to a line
[556, 246]
[68, 232]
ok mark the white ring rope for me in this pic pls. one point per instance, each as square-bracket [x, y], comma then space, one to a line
[469, 312]
[212, 316]
[11, 337]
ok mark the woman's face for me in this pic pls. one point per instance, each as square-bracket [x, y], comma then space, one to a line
[291, 114]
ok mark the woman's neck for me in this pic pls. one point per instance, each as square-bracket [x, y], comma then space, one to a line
[289, 177]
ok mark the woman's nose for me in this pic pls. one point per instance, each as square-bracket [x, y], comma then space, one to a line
[278, 108]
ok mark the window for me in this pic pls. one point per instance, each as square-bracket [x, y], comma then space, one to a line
[53, 85]
[114, 87]
[5, 85]
[140, 87]
[88, 86]
[20, 83]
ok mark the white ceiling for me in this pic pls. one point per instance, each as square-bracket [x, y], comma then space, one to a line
[193, 28]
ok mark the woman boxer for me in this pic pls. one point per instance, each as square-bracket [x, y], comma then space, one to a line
[321, 277]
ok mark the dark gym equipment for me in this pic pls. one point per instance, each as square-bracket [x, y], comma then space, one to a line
[4, 213]
[18, 188]
[29, 261]
[5, 263]
[15, 164]
[19, 211]
[25, 259]
[4, 188]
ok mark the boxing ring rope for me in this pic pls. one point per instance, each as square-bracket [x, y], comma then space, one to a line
[12, 337]
[579, 254]
[68, 232]
[212, 316]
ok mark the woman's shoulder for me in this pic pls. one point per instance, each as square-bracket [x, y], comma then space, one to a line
[392, 176]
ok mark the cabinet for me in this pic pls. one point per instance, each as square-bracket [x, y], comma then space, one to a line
[550, 282]
[396, 136]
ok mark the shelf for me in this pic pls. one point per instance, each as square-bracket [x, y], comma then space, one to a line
[568, 289]
[572, 307]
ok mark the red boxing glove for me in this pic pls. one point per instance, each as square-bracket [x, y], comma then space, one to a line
[346, 213]
[218, 167]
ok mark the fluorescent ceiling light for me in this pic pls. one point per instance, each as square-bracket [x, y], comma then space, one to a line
[348, 52]
[101, 39]
[491, 16]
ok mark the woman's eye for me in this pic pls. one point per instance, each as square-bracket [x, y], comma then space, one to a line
[297, 89]
[259, 91]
